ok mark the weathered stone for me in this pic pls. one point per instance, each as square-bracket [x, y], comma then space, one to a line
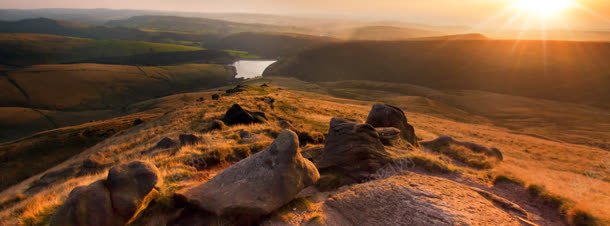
[88, 205]
[127, 190]
[216, 125]
[131, 186]
[384, 115]
[237, 115]
[256, 185]
[413, 199]
[137, 121]
[352, 149]
[389, 136]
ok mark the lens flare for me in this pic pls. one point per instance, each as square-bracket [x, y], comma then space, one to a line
[543, 8]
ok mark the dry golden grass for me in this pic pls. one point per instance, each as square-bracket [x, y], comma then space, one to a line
[574, 172]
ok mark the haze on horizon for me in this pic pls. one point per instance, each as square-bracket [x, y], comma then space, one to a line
[477, 14]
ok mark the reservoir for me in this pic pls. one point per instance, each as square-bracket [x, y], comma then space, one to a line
[251, 68]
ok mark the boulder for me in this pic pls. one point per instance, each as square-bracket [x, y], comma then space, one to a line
[216, 125]
[215, 96]
[389, 136]
[131, 185]
[257, 185]
[384, 115]
[310, 138]
[165, 143]
[137, 121]
[127, 190]
[189, 139]
[472, 154]
[353, 150]
[413, 199]
[237, 115]
[88, 205]
[95, 163]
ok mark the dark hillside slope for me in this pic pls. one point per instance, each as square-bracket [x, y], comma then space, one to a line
[559, 70]
[271, 45]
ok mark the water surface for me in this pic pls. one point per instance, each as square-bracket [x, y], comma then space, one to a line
[251, 68]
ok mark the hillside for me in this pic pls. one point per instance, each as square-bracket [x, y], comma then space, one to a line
[387, 33]
[22, 49]
[538, 181]
[47, 92]
[195, 25]
[270, 45]
[556, 70]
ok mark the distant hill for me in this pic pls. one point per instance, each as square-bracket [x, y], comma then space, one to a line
[270, 45]
[558, 70]
[28, 49]
[471, 36]
[387, 33]
[195, 25]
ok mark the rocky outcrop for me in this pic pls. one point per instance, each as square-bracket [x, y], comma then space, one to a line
[116, 200]
[165, 143]
[352, 149]
[385, 115]
[237, 115]
[389, 136]
[257, 185]
[95, 163]
[413, 199]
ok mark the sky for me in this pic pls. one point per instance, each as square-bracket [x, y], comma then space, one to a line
[592, 14]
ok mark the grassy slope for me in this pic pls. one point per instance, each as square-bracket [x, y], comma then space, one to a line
[564, 169]
[27, 49]
[559, 70]
[103, 91]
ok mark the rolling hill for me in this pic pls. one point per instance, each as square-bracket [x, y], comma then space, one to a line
[22, 49]
[557, 70]
[50, 96]
[270, 45]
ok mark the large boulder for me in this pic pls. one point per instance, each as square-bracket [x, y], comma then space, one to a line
[257, 185]
[414, 199]
[88, 205]
[237, 115]
[352, 149]
[389, 136]
[116, 200]
[130, 185]
[189, 139]
[385, 115]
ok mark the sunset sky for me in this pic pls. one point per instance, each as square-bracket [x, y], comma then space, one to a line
[585, 14]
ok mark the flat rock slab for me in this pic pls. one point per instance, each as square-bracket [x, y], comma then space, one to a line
[413, 199]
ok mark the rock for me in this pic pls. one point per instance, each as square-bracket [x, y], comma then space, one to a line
[257, 185]
[200, 99]
[237, 89]
[384, 115]
[87, 205]
[389, 136]
[247, 137]
[52, 177]
[189, 139]
[237, 115]
[413, 199]
[284, 124]
[311, 138]
[165, 143]
[114, 201]
[215, 96]
[95, 163]
[353, 150]
[465, 152]
[131, 186]
[137, 121]
[312, 153]
[216, 125]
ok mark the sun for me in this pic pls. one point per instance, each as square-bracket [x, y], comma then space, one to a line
[543, 8]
